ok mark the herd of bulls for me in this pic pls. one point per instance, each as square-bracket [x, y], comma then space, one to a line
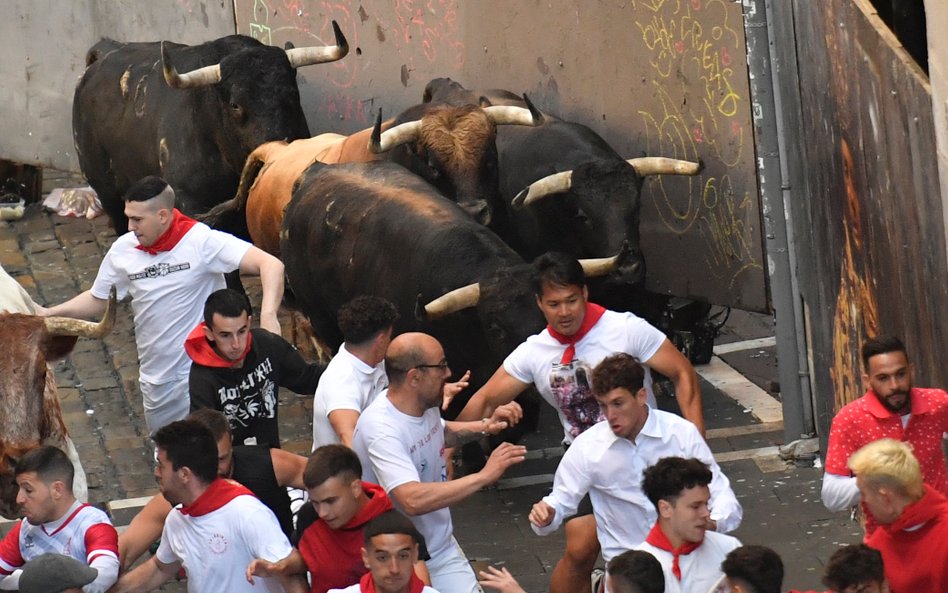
[438, 209]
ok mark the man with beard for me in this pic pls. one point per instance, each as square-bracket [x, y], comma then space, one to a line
[56, 523]
[216, 527]
[400, 440]
[891, 408]
[265, 472]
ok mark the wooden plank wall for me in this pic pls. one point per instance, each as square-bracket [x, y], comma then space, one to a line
[866, 205]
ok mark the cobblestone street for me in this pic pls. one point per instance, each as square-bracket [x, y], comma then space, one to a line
[55, 258]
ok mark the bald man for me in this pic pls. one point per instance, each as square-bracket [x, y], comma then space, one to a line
[400, 439]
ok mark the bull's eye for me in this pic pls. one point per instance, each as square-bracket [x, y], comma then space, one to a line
[581, 217]
[236, 111]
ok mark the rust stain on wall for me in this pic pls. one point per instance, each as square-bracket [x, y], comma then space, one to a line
[856, 316]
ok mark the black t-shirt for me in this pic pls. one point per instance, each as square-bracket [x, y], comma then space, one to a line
[248, 395]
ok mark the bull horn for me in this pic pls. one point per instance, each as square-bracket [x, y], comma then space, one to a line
[305, 56]
[66, 326]
[200, 77]
[656, 165]
[551, 184]
[392, 137]
[506, 114]
[599, 266]
[456, 300]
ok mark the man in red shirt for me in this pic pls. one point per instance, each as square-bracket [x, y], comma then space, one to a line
[913, 517]
[891, 408]
[329, 545]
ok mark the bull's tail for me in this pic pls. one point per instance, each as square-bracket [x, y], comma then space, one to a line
[232, 214]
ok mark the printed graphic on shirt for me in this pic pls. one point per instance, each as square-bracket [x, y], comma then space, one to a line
[570, 385]
[159, 270]
[254, 397]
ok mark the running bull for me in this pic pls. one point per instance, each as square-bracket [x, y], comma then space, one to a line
[451, 147]
[564, 187]
[378, 229]
[191, 114]
[29, 404]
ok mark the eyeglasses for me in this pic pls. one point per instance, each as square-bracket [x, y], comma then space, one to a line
[441, 365]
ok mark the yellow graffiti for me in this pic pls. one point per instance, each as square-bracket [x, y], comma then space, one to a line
[724, 219]
[260, 22]
[695, 54]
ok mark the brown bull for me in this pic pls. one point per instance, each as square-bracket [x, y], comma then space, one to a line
[29, 404]
[451, 147]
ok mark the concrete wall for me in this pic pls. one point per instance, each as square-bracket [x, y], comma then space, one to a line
[44, 44]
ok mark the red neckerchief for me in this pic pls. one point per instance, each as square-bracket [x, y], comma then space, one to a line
[593, 313]
[180, 225]
[220, 492]
[202, 352]
[657, 538]
[367, 585]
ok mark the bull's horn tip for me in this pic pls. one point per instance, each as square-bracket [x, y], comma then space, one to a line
[341, 40]
[520, 198]
[535, 113]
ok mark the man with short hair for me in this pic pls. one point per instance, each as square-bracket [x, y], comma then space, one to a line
[55, 522]
[891, 408]
[635, 571]
[169, 264]
[753, 569]
[913, 517]
[238, 370]
[855, 569]
[690, 554]
[356, 374]
[609, 460]
[219, 527]
[330, 544]
[632, 571]
[558, 362]
[390, 550]
[400, 439]
[265, 472]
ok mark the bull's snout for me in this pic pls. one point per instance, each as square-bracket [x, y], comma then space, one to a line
[631, 269]
[479, 210]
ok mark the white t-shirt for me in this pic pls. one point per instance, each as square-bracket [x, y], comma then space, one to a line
[396, 449]
[567, 387]
[356, 589]
[700, 569]
[346, 384]
[168, 291]
[216, 548]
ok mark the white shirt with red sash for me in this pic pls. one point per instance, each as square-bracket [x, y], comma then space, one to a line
[168, 290]
[694, 568]
[218, 535]
[539, 361]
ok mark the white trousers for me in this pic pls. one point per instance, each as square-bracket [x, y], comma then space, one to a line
[165, 402]
[451, 572]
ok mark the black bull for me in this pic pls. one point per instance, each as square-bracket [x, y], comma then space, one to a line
[378, 229]
[591, 217]
[195, 129]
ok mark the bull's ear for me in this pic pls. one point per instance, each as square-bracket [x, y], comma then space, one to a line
[59, 347]
[484, 102]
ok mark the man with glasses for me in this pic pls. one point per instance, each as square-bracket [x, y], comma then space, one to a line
[400, 439]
